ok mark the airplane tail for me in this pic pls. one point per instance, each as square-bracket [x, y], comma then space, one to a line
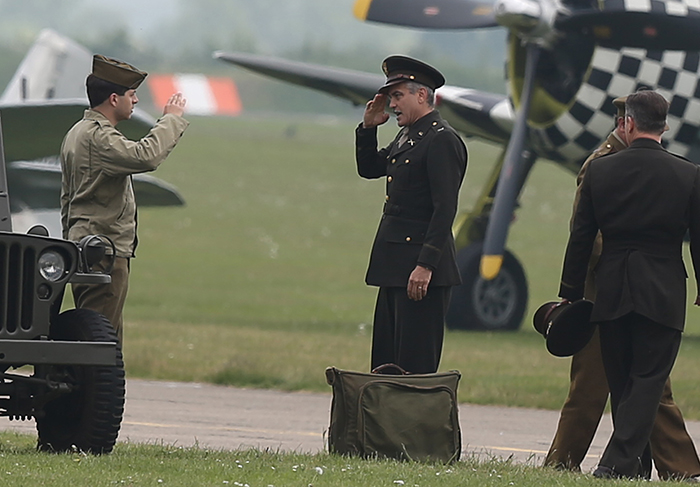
[42, 101]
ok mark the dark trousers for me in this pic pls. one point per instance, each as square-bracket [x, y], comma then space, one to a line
[409, 333]
[672, 448]
[638, 355]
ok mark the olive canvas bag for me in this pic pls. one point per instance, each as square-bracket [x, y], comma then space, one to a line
[402, 416]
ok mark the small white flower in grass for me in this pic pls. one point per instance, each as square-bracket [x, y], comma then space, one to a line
[399, 482]
[160, 481]
[319, 470]
[226, 481]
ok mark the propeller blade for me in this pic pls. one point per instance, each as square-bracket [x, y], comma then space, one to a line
[428, 14]
[510, 179]
[618, 26]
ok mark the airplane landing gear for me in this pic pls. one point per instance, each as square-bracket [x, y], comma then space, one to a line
[478, 304]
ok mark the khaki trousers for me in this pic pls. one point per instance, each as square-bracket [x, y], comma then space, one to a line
[106, 299]
[672, 449]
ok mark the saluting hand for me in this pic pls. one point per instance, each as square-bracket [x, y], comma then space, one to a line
[374, 112]
[175, 105]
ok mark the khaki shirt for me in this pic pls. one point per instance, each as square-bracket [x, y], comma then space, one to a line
[611, 145]
[97, 161]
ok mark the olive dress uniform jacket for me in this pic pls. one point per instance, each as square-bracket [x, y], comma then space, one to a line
[611, 145]
[644, 200]
[423, 177]
[97, 161]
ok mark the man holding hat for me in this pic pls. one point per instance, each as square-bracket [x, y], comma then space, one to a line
[643, 200]
[672, 449]
[413, 256]
[97, 161]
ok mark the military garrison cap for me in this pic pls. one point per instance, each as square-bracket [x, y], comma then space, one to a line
[399, 69]
[620, 105]
[117, 72]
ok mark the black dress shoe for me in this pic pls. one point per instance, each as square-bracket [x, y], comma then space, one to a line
[603, 472]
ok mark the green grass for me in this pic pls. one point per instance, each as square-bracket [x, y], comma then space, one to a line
[259, 280]
[133, 465]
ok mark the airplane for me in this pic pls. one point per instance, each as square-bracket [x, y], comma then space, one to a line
[566, 61]
[44, 98]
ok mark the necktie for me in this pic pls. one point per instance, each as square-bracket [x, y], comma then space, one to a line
[404, 137]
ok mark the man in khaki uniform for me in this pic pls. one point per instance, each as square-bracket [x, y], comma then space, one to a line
[97, 161]
[673, 450]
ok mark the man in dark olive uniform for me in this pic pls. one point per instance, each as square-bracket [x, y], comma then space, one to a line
[672, 449]
[643, 200]
[413, 256]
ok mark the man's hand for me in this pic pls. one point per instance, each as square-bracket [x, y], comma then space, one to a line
[697, 301]
[418, 283]
[175, 105]
[374, 112]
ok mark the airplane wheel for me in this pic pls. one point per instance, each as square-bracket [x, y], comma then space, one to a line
[88, 417]
[478, 304]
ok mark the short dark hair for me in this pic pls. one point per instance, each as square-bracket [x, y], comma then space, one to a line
[98, 90]
[648, 109]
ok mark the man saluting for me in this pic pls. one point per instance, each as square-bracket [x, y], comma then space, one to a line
[413, 256]
[97, 162]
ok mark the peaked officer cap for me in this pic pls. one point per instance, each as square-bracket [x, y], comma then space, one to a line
[117, 72]
[399, 69]
[566, 326]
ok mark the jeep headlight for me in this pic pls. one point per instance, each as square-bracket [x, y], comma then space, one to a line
[52, 265]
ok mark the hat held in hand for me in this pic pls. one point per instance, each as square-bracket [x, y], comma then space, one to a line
[566, 326]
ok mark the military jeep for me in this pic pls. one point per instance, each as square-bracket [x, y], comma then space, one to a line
[64, 369]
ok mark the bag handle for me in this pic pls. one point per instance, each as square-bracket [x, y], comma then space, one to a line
[388, 368]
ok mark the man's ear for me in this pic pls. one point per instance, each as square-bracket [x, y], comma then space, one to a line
[423, 94]
[113, 99]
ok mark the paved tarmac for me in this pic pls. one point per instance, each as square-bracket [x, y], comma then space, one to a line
[220, 417]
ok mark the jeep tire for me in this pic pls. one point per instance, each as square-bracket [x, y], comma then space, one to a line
[87, 418]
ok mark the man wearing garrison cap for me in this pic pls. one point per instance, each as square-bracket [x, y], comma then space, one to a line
[413, 256]
[672, 448]
[97, 162]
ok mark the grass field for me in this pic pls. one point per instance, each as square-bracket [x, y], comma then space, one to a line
[168, 465]
[259, 280]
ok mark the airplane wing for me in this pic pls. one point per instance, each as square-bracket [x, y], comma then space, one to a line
[37, 185]
[473, 113]
[355, 86]
[35, 129]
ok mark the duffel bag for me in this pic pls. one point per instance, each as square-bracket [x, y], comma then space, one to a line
[402, 416]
